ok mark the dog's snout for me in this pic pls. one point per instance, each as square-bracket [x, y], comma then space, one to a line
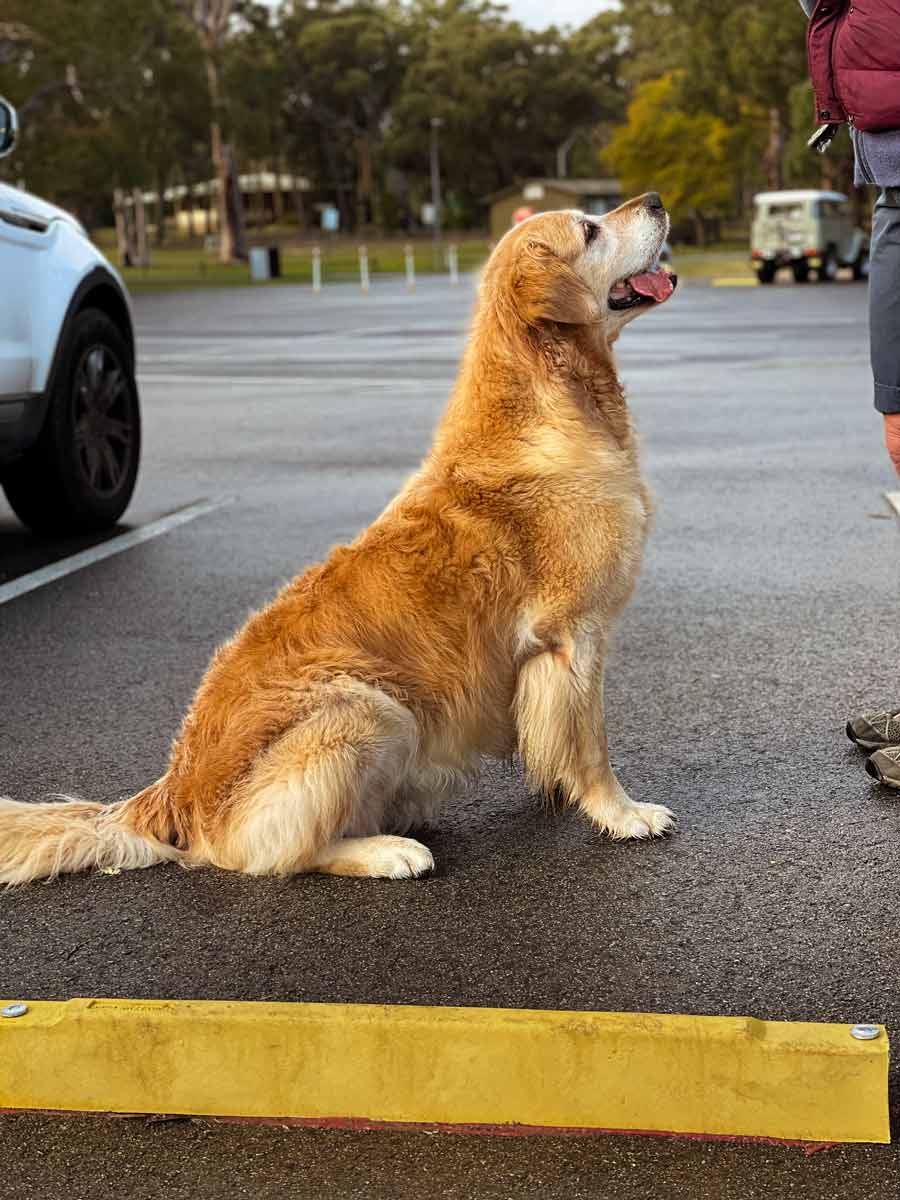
[653, 200]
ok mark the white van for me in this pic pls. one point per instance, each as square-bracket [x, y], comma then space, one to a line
[806, 230]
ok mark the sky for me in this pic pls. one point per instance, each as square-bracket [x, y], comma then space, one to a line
[538, 14]
[541, 13]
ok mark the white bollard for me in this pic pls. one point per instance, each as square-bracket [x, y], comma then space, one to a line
[409, 255]
[363, 269]
[316, 269]
[453, 262]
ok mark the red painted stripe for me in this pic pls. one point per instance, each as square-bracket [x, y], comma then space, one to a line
[367, 1125]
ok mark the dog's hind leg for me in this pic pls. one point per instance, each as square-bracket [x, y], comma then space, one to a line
[562, 736]
[327, 779]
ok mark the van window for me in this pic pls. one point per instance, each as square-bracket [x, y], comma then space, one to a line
[832, 208]
[786, 209]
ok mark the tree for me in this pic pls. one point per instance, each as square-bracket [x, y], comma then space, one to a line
[211, 22]
[767, 58]
[93, 121]
[346, 64]
[684, 155]
[736, 59]
[507, 98]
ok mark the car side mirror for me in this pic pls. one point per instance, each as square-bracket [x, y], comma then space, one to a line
[9, 128]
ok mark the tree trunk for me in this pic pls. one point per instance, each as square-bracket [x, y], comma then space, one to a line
[699, 227]
[260, 201]
[193, 201]
[363, 183]
[775, 151]
[299, 206]
[160, 207]
[234, 208]
[232, 241]
[123, 241]
[142, 254]
[277, 193]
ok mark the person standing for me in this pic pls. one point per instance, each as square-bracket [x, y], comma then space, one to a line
[854, 65]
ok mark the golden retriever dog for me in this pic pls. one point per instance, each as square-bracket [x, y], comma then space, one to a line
[470, 619]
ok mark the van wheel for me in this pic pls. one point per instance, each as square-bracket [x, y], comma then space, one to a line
[765, 272]
[801, 271]
[80, 473]
[861, 266]
[827, 273]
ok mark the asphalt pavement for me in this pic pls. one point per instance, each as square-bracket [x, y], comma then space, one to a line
[766, 612]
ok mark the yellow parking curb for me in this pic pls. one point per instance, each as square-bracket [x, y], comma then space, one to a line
[734, 281]
[502, 1068]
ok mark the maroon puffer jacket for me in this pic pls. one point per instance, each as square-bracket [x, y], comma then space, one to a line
[854, 62]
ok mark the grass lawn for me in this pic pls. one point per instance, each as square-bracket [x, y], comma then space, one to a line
[186, 266]
[192, 266]
[707, 262]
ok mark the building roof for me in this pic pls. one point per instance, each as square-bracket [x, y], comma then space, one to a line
[263, 181]
[799, 194]
[576, 187]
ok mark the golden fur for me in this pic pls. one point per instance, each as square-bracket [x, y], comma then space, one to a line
[470, 619]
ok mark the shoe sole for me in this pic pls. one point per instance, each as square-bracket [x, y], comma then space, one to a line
[872, 769]
[877, 745]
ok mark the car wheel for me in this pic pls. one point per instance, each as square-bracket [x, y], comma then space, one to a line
[801, 271]
[827, 273]
[81, 472]
[765, 272]
[861, 266]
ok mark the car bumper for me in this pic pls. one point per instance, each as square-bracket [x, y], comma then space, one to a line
[21, 418]
[784, 257]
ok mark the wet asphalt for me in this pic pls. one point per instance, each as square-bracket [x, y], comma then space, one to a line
[766, 612]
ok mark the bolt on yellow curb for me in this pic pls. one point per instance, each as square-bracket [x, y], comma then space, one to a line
[726, 1076]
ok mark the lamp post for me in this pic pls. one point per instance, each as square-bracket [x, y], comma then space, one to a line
[436, 123]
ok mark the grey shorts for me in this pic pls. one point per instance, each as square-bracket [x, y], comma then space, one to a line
[884, 301]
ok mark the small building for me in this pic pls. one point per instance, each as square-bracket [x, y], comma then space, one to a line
[266, 198]
[541, 195]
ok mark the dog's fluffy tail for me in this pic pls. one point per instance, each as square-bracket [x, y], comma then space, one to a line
[41, 841]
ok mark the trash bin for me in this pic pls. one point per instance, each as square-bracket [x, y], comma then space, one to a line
[265, 263]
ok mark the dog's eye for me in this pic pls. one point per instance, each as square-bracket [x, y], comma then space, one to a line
[590, 231]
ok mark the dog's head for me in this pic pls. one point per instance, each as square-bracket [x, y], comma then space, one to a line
[575, 269]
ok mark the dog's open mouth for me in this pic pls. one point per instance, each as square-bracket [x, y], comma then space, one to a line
[650, 287]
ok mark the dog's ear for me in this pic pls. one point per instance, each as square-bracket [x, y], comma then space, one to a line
[547, 289]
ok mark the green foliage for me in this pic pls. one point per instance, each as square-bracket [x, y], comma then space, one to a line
[507, 97]
[113, 97]
[115, 93]
[685, 156]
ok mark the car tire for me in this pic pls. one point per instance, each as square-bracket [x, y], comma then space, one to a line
[765, 272]
[81, 472]
[801, 271]
[827, 273]
[861, 266]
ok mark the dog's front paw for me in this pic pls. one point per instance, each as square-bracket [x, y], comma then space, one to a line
[398, 857]
[646, 821]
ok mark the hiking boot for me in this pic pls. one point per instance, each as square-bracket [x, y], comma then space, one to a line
[884, 765]
[875, 730]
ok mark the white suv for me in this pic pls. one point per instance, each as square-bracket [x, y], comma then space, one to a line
[70, 426]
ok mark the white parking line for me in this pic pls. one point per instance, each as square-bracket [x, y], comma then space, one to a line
[316, 382]
[893, 499]
[125, 541]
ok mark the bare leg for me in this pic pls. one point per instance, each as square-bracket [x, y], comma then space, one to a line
[562, 738]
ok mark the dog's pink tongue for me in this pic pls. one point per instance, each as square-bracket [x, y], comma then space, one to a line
[655, 284]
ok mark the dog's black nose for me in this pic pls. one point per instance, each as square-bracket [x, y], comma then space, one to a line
[653, 200]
